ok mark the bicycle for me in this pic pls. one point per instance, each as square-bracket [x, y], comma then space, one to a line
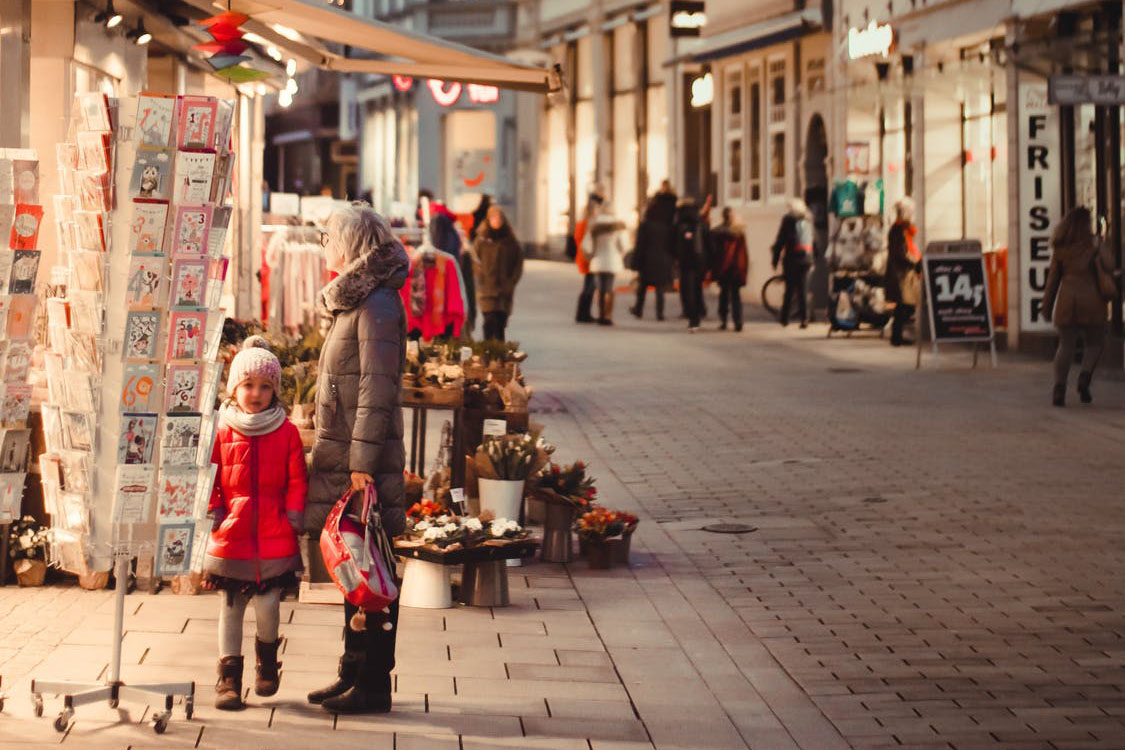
[773, 294]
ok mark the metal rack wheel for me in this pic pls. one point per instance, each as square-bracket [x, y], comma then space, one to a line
[189, 707]
[62, 721]
[37, 699]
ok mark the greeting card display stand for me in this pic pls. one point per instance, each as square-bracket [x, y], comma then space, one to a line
[132, 364]
[113, 690]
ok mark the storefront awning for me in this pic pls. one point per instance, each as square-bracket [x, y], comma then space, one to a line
[397, 50]
[754, 36]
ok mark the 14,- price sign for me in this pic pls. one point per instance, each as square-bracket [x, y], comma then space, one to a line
[957, 297]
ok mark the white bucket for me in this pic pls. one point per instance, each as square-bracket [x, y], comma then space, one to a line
[502, 497]
[426, 585]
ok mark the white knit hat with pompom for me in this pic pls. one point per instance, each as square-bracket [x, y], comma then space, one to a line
[254, 361]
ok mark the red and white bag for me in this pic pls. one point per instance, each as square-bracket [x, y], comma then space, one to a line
[359, 556]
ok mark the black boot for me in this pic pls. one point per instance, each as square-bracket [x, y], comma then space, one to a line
[228, 690]
[1058, 398]
[585, 301]
[349, 670]
[1084, 387]
[268, 678]
[359, 700]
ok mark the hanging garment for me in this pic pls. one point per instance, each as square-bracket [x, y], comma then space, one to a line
[434, 295]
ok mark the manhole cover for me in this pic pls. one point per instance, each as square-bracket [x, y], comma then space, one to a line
[729, 528]
[875, 500]
[844, 370]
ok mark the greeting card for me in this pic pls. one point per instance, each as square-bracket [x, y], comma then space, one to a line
[183, 389]
[11, 496]
[155, 116]
[152, 174]
[25, 180]
[74, 468]
[142, 331]
[95, 111]
[7, 258]
[145, 281]
[220, 223]
[15, 405]
[93, 151]
[147, 230]
[73, 514]
[78, 430]
[133, 493]
[86, 270]
[137, 439]
[90, 230]
[13, 449]
[85, 311]
[94, 191]
[193, 176]
[189, 282]
[196, 122]
[177, 492]
[21, 315]
[173, 552]
[190, 231]
[180, 444]
[140, 387]
[17, 360]
[185, 335]
[7, 219]
[25, 267]
[25, 227]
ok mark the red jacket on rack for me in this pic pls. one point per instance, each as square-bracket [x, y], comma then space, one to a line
[433, 297]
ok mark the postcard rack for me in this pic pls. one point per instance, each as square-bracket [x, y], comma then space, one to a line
[132, 365]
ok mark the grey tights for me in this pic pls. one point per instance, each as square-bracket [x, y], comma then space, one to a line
[1093, 339]
[232, 610]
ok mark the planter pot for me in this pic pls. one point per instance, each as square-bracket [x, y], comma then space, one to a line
[30, 572]
[536, 510]
[485, 584]
[557, 539]
[426, 585]
[502, 496]
[94, 580]
[621, 547]
[599, 554]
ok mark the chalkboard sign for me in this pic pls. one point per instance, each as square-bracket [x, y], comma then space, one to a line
[957, 297]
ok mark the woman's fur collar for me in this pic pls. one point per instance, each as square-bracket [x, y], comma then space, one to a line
[386, 266]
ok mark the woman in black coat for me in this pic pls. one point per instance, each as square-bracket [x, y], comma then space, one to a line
[359, 425]
[652, 253]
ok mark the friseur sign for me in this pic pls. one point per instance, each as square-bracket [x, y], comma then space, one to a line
[1106, 90]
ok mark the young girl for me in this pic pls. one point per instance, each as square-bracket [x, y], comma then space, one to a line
[257, 507]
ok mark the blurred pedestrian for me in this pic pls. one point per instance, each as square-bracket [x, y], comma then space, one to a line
[692, 255]
[480, 214]
[582, 261]
[903, 264]
[1080, 283]
[793, 248]
[604, 245]
[653, 258]
[501, 265]
[731, 261]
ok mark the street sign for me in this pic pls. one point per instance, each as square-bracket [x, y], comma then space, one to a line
[1069, 89]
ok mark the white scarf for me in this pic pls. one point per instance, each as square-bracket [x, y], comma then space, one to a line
[252, 425]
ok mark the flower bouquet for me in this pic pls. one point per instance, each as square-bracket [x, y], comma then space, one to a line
[27, 545]
[566, 484]
[503, 465]
[424, 510]
[605, 535]
[448, 532]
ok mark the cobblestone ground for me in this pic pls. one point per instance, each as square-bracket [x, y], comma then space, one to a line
[934, 563]
[937, 560]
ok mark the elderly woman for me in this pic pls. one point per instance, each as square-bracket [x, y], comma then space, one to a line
[359, 424]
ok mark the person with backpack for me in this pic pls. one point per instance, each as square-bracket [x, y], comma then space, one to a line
[729, 266]
[793, 248]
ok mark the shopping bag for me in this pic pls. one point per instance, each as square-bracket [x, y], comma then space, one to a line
[358, 555]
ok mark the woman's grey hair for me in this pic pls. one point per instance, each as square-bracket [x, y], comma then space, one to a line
[357, 230]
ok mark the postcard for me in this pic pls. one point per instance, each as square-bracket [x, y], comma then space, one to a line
[184, 388]
[24, 269]
[66, 155]
[178, 488]
[84, 348]
[196, 122]
[11, 496]
[147, 230]
[224, 117]
[15, 405]
[74, 467]
[21, 315]
[155, 117]
[185, 335]
[138, 438]
[220, 224]
[216, 275]
[25, 181]
[93, 151]
[73, 512]
[94, 191]
[142, 332]
[133, 494]
[189, 282]
[152, 174]
[13, 449]
[190, 231]
[86, 311]
[140, 387]
[17, 360]
[146, 281]
[193, 177]
[180, 444]
[52, 428]
[90, 229]
[25, 227]
[86, 269]
[78, 391]
[95, 111]
[173, 549]
[78, 430]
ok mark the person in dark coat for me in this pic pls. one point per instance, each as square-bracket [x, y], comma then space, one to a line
[730, 264]
[359, 425]
[901, 277]
[793, 248]
[480, 214]
[1074, 300]
[501, 265]
[692, 256]
[652, 252]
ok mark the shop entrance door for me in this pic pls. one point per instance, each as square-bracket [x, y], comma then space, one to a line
[816, 197]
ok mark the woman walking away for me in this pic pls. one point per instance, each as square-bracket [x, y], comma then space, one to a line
[1079, 285]
[359, 425]
[257, 508]
[794, 249]
[501, 265]
[652, 253]
[731, 264]
[903, 261]
[589, 281]
[604, 245]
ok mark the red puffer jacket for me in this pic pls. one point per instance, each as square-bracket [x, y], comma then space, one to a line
[260, 481]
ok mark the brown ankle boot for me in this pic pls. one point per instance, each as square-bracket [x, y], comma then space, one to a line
[268, 679]
[228, 690]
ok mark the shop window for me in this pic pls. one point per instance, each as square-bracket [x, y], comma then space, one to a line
[778, 117]
[735, 165]
[755, 117]
[625, 58]
[777, 164]
[733, 133]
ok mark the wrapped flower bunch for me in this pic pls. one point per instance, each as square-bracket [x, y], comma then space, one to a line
[512, 457]
[569, 484]
[449, 532]
[27, 540]
[425, 509]
[599, 524]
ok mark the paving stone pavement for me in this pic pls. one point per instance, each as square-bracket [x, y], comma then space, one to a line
[934, 565]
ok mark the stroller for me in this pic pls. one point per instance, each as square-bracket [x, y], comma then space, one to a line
[855, 300]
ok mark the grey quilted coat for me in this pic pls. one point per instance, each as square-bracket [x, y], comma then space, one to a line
[358, 413]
